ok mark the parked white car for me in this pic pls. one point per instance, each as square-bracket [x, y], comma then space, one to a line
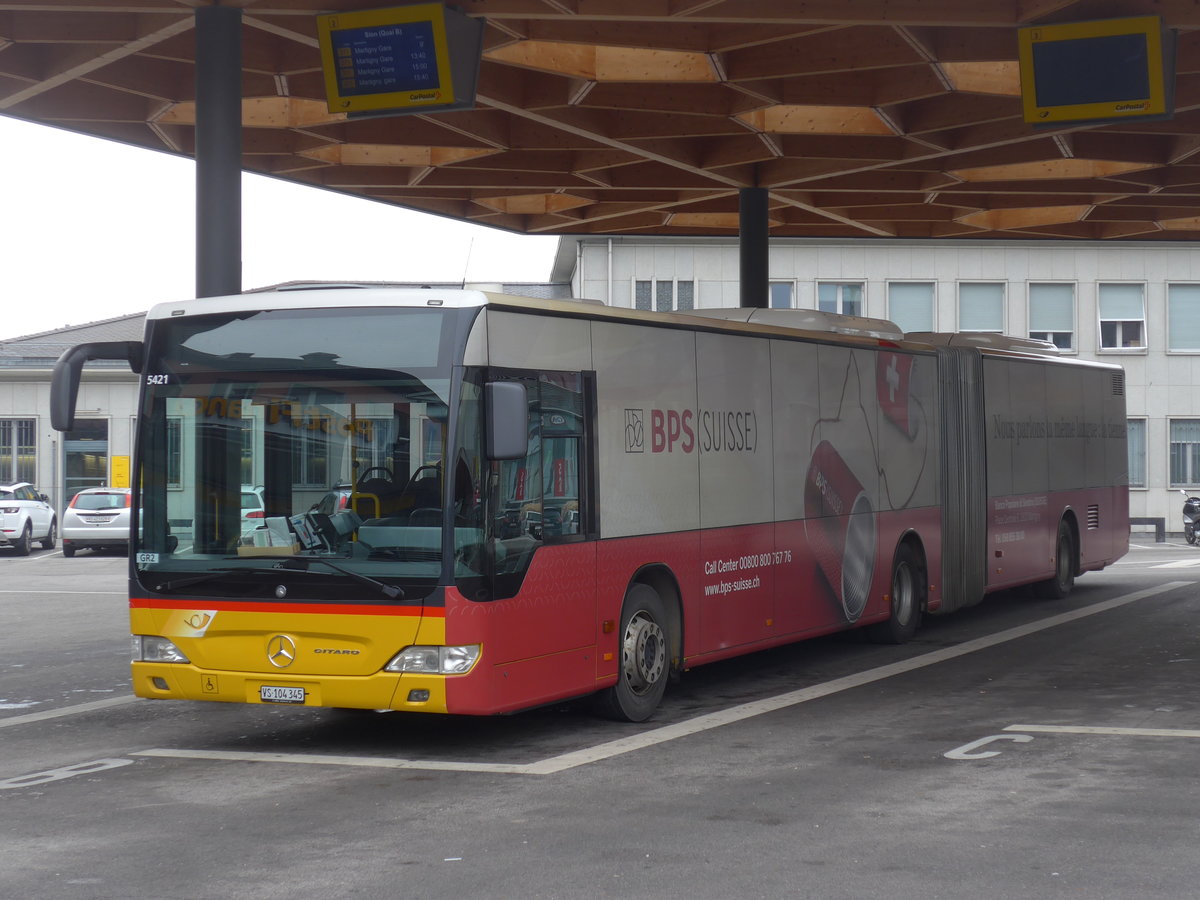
[26, 516]
[254, 511]
[97, 518]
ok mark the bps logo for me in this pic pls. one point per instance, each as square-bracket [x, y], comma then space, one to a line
[635, 432]
[686, 431]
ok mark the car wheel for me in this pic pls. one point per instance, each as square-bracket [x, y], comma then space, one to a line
[25, 542]
[51, 538]
[68, 550]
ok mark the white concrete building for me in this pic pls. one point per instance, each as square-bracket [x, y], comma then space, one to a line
[1133, 303]
[98, 452]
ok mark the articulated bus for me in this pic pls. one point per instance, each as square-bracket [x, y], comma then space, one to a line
[472, 503]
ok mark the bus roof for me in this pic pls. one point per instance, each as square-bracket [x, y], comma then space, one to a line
[793, 323]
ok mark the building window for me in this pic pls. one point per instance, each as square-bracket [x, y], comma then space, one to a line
[18, 451]
[981, 306]
[910, 305]
[1183, 317]
[840, 297]
[663, 295]
[1122, 317]
[1185, 452]
[1052, 314]
[1137, 452]
[174, 452]
[249, 444]
[781, 295]
[310, 453]
[174, 449]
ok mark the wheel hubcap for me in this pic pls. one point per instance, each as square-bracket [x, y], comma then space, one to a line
[902, 594]
[644, 653]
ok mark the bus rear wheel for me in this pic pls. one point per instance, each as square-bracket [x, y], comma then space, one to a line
[1060, 585]
[909, 586]
[645, 658]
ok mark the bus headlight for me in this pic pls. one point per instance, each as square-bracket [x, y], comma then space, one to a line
[150, 648]
[435, 660]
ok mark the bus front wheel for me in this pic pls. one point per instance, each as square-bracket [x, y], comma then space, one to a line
[645, 658]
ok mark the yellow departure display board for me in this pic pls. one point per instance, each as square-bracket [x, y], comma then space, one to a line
[1102, 71]
[400, 60]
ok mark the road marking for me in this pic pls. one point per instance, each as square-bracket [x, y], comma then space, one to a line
[1178, 564]
[371, 762]
[972, 751]
[620, 746]
[92, 593]
[1094, 729]
[31, 558]
[29, 718]
[50, 775]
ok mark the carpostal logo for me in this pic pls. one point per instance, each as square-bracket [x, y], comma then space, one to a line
[691, 431]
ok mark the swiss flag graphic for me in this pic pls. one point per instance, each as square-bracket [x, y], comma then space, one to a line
[892, 372]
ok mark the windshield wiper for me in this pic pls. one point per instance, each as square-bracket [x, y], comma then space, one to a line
[388, 590]
[167, 586]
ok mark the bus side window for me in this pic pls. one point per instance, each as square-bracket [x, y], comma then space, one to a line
[521, 483]
[539, 498]
[562, 421]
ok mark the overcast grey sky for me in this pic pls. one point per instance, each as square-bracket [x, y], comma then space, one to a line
[93, 229]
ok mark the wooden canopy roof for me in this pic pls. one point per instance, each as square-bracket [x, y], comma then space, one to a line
[861, 117]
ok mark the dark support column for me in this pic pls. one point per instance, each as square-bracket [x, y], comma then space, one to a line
[218, 150]
[752, 246]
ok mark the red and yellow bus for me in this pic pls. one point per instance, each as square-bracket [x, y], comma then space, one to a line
[474, 503]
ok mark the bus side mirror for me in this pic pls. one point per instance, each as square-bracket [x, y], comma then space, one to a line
[507, 412]
[64, 386]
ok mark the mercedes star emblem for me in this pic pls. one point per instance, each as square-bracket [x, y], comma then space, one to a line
[281, 651]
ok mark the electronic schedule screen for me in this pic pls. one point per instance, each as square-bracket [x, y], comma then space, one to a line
[418, 58]
[1097, 72]
[385, 59]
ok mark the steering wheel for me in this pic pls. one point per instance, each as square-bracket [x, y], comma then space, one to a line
[365, 476]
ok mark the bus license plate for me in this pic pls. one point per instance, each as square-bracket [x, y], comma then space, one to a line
[270, 693]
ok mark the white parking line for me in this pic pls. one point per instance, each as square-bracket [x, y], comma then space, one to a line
[28, 718]
[372, 762]
[90, 593]
[607, 750]
[1094, 729]
[1178, 564]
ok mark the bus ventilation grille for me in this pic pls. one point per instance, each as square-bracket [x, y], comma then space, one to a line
[1093, 518]
[1118, 384]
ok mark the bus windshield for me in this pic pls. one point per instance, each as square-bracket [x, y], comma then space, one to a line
[295, 453]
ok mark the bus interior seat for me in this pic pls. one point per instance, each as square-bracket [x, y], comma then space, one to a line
[426, 515]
